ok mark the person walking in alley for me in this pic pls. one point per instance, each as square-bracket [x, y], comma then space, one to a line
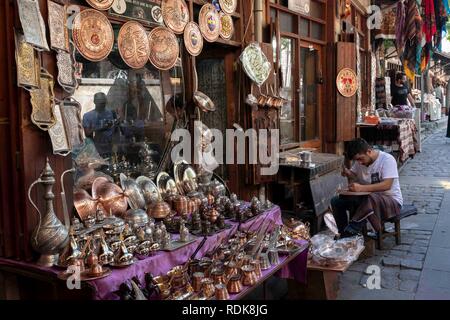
[374, 172]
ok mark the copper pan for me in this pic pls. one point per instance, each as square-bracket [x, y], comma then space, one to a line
[111, 196]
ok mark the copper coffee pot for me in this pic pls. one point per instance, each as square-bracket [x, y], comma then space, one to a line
[234, 285]
[250, 277]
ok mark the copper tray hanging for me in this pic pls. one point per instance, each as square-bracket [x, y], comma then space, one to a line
[164, 48]
[33, 24]
[58, 136]
[193, 39]
[209, 21]
[42, 101]
[133, 45]
[57, 22]
[93, 35]
[228, 6]
[101, 4]
[227, 30]
[175, 14]
[71, 115]
[28, 66]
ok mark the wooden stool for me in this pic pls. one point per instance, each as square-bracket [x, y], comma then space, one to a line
[405, 212]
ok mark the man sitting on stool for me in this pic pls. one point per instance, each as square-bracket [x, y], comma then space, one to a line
[375, 172]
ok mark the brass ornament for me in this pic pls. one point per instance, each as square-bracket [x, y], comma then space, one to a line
[101, 4]
[28, 66]
[175, 14]
[164, 48]
[57, 21]
[58, 135]
[93, 35]
[71, 116]
[33, 24]
[133, 45]
[228, 6]
[227, 29]
[209, 21]
[42, 101]
[193, 39]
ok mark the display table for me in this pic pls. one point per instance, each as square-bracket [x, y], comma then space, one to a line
[399, 136]
[160, 263]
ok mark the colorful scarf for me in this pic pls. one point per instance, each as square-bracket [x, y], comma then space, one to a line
[400, 27]
[413, 36]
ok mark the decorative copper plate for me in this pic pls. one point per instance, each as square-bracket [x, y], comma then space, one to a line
[209, 20]
[175, 14]
[228, 6]
[27, 60]
[227, 30]
[164, 48]
[57, 21]
[133, 44]
[193, 39]
[101, 4]
[42, 101]
[347, 82]
[33, 24]
[93, 35]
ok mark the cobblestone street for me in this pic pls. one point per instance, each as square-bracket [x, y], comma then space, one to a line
[418, 268]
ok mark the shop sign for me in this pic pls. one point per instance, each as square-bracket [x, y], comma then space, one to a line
[144, 11]
[347, 82]
[300, 6]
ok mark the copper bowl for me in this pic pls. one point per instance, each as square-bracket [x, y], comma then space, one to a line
[110, 195]
[159, 210]
[85, 205]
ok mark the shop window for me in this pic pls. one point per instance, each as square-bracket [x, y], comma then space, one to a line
[317, 31]
[309, 107]
[287, 22]
[287, 116]
[126, 112]
[304, 28]
[317, 10]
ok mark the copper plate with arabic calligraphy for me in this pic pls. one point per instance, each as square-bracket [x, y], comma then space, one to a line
[227, 30]
[347, 82]
[228, 6]
[93, 35]
[57, 21]
[42, 101]
[101, 4]
[164, 48]
[27, 60]
[133, 45]
[193, 39]
[175, 14]
[209, 21]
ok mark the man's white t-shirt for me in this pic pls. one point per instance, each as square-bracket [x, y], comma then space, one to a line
[385, 167]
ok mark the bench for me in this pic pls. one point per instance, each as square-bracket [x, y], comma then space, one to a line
[407, 211]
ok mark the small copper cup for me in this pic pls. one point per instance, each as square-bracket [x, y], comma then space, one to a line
[221, 292]
[208, 287]
[257, 264]
[231, 269]
[250, 277]
[218, 276]
[234, 286]
[197, 281]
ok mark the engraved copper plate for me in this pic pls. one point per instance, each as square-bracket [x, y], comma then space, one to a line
[193, 39]
[66, 71]
[32, 24]
[228, 6]
[209, 20]
[27, 60]
[347, 82]
[164, 48]
[93, 35]
[227, 30]
[101, 4]
[175, 14]
[57, 21]
[71, 115]
[42, 101]
[133, 44]
[58, 135]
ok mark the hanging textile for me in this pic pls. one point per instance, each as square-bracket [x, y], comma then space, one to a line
[413, 40]
[400, 28]
[389, 14]
[429, 19]
[446, 5]
[441, 22]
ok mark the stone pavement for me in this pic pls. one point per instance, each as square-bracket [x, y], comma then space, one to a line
[419, 268]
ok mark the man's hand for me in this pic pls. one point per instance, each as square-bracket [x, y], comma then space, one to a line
[356, 187]
[347, 173]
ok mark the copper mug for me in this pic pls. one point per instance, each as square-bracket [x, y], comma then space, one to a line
[197, 281]
[234, 285]
[221, 292]
[218, 276]
[250, 277]
[230, 269]
[208, 287]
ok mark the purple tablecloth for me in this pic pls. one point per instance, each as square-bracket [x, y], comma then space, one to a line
[162, 262]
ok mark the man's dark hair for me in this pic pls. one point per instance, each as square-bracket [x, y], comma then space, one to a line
[355, 147]
[399, 76]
